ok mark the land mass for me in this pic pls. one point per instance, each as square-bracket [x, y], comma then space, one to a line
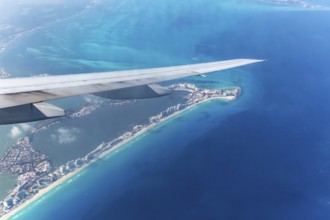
[38, 175]
[297, 3]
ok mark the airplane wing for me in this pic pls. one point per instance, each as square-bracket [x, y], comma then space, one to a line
[27, 95]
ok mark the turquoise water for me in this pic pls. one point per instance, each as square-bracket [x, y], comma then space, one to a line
[265, 156]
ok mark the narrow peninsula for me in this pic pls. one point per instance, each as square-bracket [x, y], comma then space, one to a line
[37, 173]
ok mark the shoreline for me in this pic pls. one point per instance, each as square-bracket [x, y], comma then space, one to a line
[115, 148]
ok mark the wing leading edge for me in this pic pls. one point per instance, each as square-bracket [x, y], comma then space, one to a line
[28, 91]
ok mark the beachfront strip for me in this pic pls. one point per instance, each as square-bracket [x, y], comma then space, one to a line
[36, 171]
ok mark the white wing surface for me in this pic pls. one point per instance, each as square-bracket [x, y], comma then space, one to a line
[28, 91]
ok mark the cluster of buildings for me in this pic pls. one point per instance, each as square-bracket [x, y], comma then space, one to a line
[85, 110]
[195, 96]
[22, 158]
[30, 183]
[31, 166]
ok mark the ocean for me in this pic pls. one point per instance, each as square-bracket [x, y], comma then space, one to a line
[264, 156]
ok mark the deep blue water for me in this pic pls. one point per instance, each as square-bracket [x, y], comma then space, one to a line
[266, 156]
